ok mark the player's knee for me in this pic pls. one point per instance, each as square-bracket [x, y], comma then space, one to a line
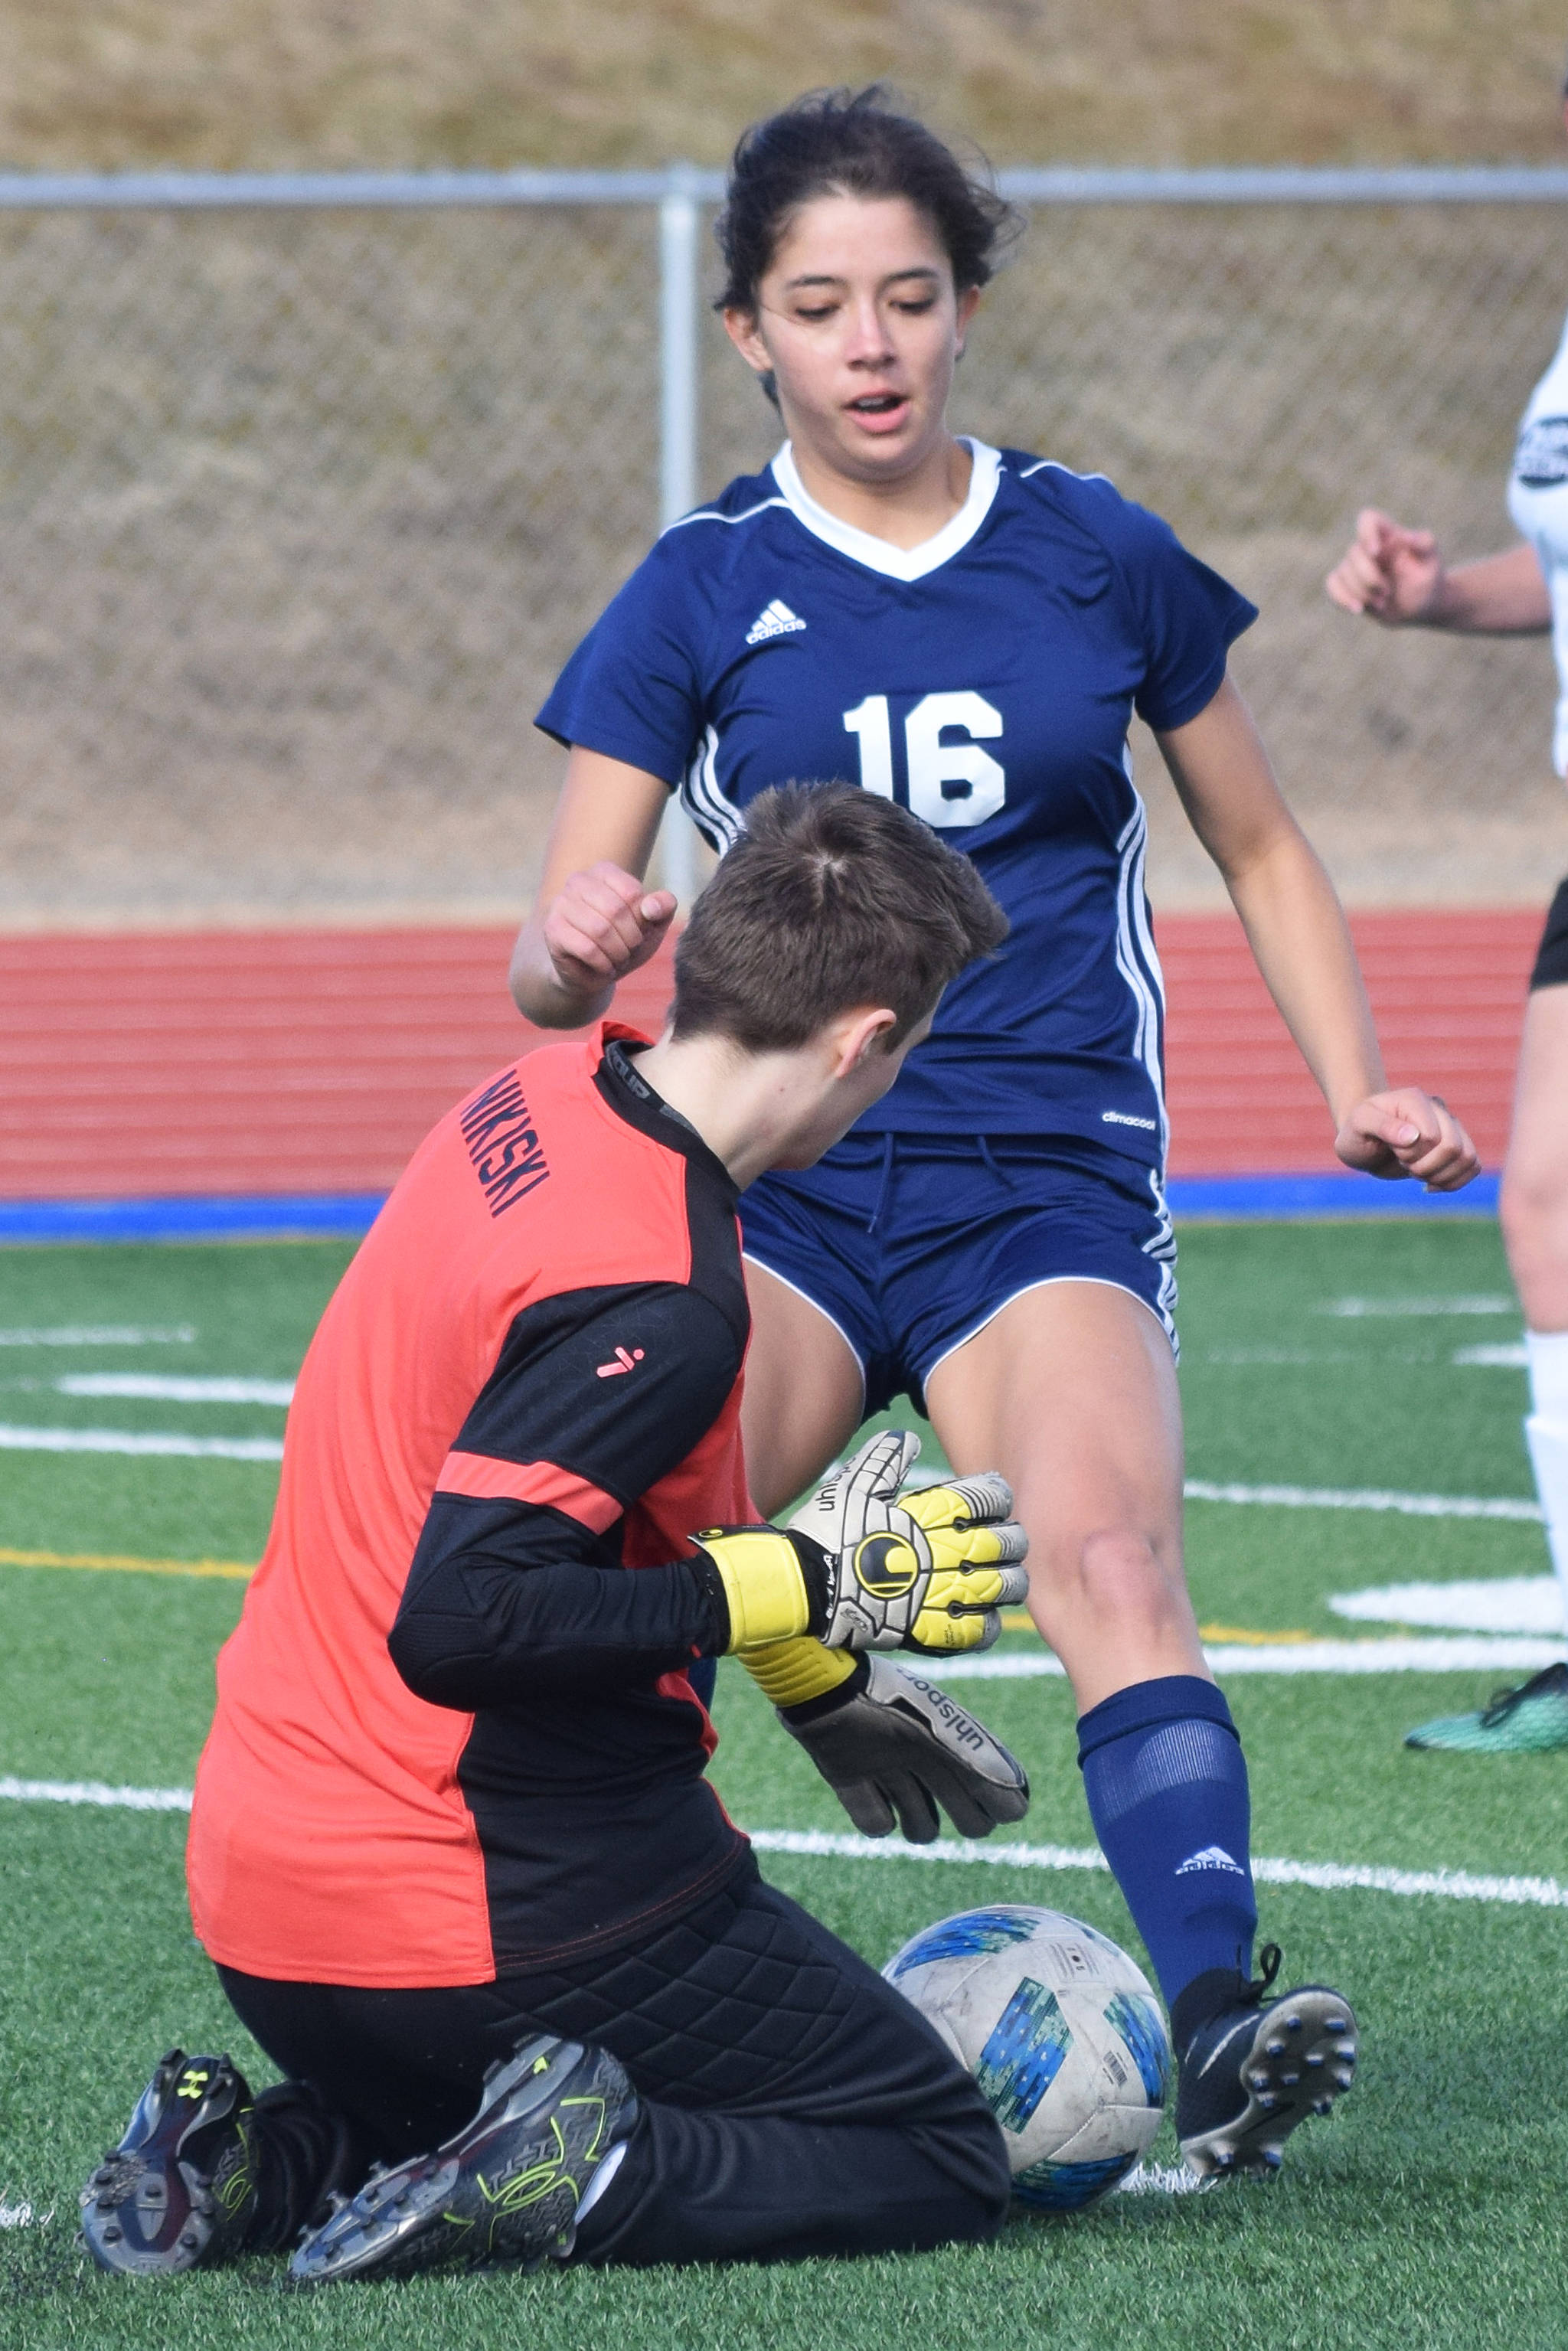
[1533, 1212]
[1120, 1577]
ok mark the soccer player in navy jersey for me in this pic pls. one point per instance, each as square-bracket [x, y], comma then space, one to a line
[969, 631]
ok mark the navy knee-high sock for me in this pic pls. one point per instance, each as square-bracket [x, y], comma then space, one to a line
[1166, 1783]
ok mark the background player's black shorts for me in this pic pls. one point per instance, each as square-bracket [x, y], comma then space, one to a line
[1552, 957]
[795, 2102]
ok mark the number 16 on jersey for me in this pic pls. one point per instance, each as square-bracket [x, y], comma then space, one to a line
[949, 783]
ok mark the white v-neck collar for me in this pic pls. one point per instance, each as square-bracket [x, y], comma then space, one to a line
[880, 554]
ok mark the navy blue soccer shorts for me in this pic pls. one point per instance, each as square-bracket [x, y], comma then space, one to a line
[910, 1244]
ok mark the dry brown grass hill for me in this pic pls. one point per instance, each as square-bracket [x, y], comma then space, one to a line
[297, 516]
[270, 83]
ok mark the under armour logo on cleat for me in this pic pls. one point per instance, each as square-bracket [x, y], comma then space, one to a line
[625, 1362]
[775, 620]
[1210, 1857]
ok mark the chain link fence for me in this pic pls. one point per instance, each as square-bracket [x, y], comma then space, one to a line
[302, 505]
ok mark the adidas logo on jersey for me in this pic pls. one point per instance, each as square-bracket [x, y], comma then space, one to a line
[776, 621]
[1209, 1857]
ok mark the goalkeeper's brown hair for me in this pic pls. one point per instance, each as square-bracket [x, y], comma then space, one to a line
[833, 899]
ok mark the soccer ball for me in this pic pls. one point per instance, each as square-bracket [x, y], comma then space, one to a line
[1061, 2033]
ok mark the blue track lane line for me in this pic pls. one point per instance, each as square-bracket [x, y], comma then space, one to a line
[265, 1217]
[349, 1215]
[1285, 1198]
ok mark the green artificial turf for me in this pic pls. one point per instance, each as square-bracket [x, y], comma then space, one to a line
[1430, 2213]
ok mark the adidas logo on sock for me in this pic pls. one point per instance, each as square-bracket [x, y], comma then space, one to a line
[776, 621]
[1211, 1857]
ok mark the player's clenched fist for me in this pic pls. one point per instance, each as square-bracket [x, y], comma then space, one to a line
[861, 1567]
[1408, 1133]
[602, 923]
[1388, 572]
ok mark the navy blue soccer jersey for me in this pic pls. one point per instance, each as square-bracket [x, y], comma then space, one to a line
[987, 679]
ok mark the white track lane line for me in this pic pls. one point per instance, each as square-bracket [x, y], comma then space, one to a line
[125, 1440]
[1408, 1654]
[1366, 1498]
[1328, 1877]
[172, 1387]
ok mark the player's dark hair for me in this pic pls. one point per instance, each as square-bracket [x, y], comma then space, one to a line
[852, 143]
[833, 899]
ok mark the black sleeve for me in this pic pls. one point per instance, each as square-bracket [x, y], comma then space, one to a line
[516, 1586]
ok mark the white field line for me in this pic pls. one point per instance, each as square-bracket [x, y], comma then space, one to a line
[1353, 1310]
[1366, 1498]
[22, 2216]
[175, 1388]
[97, 1793]
[1502, 1604]
[124, 1440]
[103, 1334]
[1514, 1358]
[269, 1449]
[1399, 1654]
[1330, 1876]
[1162, 2179]
[1325, 1497]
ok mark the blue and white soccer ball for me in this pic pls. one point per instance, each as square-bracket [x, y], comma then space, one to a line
[1063, 2033]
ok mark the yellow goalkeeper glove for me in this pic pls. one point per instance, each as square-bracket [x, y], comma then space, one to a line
[862, 1569]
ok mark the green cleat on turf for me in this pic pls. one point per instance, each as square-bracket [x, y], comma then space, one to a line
[507, 2188]
[1529, 1720]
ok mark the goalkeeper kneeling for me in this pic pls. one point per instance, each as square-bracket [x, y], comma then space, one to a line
[454, 1849]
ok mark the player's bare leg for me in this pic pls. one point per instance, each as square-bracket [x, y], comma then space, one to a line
[1072, 1393]
[1535, 1176]
[894, 1748]
[804, 1395]
[1533, 1717]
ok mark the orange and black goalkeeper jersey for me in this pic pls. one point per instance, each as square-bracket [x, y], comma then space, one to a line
[454, 1730]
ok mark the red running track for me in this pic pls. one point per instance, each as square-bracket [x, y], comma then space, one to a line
[257, 1061]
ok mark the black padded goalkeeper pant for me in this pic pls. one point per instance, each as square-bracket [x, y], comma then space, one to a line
[792, 2102]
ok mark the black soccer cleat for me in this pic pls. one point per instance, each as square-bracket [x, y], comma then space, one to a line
[1252, 2069]
[505, 2188]
[179, 2192]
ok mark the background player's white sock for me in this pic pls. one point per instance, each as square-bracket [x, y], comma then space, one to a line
[1546, 1433]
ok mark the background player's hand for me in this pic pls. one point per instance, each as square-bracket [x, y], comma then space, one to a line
[1408, 1133]
[926, 1570]
[1388, 572]
[602, 923]
[899, 1747]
